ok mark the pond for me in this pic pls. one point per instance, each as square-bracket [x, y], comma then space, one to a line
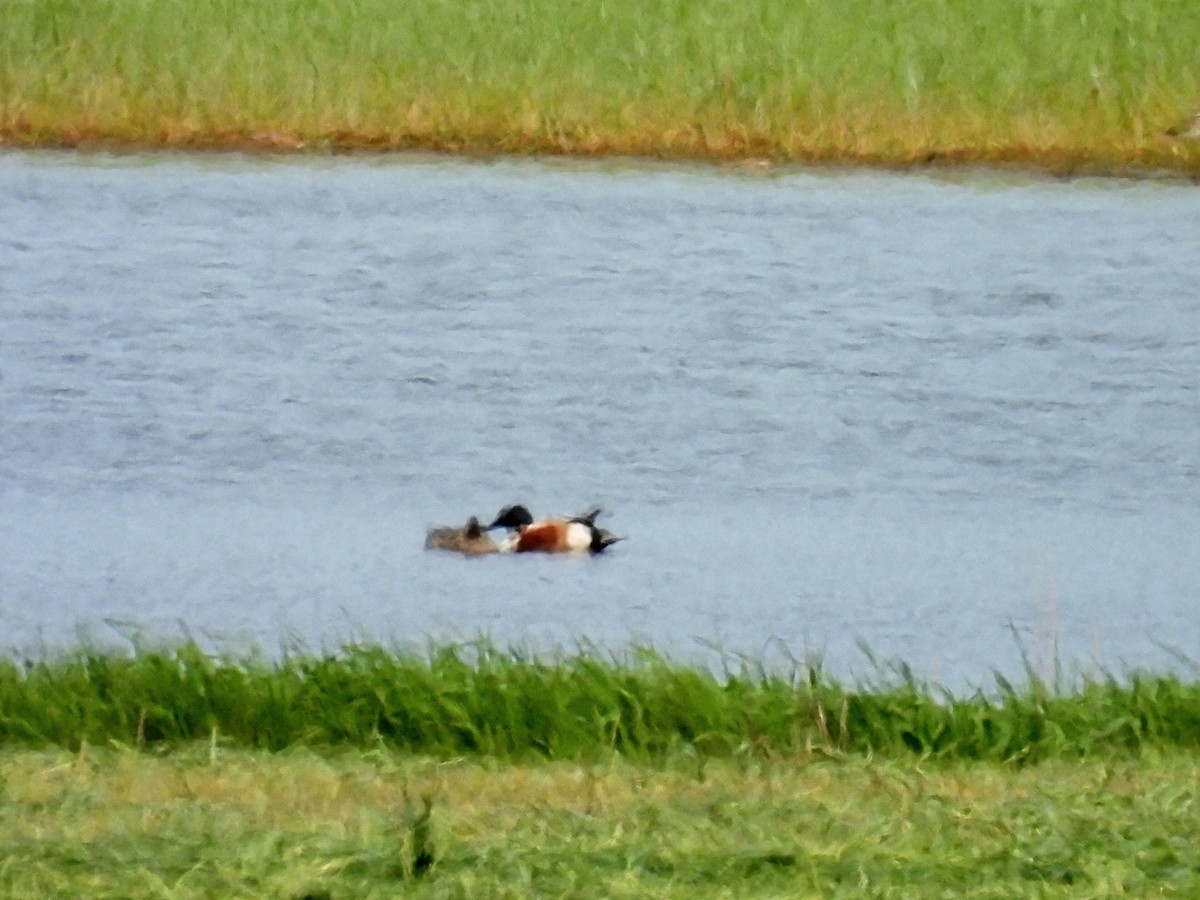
[953, 419]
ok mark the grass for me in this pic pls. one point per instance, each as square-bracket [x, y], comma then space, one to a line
[1067, 84]
[208, 821]
[479, 700]
[470, 771]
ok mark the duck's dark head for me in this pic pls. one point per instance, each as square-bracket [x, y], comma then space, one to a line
[512, 518]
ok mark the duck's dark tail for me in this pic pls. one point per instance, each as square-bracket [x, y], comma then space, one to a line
[602, 539]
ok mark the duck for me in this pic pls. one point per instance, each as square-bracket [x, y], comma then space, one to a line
[574, 534]
[471, 539]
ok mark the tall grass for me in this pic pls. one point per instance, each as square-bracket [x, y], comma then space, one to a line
[1059, 81]
[477, 699]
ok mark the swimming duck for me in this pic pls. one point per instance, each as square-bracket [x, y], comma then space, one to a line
[470, 539]
[577, 533]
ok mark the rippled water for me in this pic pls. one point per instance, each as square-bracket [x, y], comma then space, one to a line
[945, 417]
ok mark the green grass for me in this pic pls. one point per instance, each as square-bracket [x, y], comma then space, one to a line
[477, 699]
[207, 821]
[1064, 83]
[476, 772]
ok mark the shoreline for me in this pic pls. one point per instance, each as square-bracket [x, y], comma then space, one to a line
[480, 700]
[1066, 88]
[1177, 159]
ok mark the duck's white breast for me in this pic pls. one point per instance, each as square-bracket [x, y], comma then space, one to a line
[579, 536]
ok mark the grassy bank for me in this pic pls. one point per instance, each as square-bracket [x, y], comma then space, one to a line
[482, 701]
[476, 772]
[208, 821]
[1066, 84]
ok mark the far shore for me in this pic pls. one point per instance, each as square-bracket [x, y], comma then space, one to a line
[1170, 156]
[1065, 87]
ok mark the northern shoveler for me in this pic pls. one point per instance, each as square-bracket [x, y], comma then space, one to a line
[471, 539]
[577, 533]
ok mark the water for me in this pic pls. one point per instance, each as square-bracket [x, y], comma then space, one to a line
[953, 419]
